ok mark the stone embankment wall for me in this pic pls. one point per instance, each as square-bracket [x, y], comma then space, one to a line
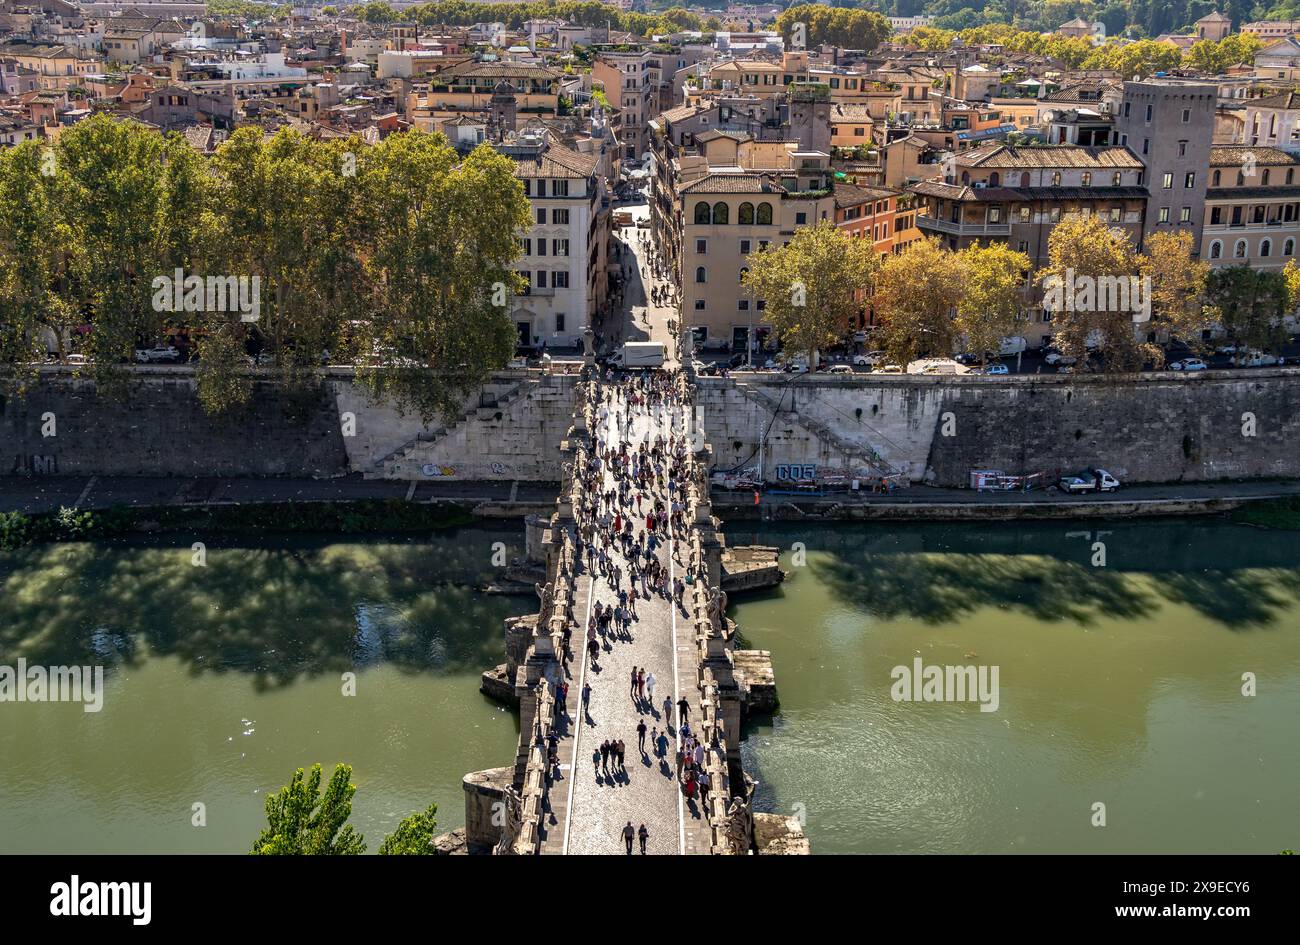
[510, 430]
[1153, 428]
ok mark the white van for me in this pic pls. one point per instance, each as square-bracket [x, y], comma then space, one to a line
[640, 354]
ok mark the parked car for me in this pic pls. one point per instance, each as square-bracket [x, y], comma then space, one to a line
[892, 369]
[840, 369]
[78, 359]
[1188, 364]
[869, 359]
[157, 354]
[997, 369]
[966, 358]
[1054, 357]
[1088, 480]
[1229, 348]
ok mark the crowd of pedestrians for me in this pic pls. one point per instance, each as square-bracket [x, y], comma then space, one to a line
[632, 505]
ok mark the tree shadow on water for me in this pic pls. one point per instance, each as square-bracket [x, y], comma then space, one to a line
[939, 588]
[275, 613]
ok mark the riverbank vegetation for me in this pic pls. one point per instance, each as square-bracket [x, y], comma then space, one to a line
[392, 256]
[304, 821]
[1275, 513]
[18, 529]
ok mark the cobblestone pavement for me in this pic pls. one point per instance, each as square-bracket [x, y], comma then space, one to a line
[603, 799]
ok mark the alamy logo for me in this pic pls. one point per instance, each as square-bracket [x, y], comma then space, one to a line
[182, 293]
[23, 683]
[921, 683]
[1075, 293]
[103, 899]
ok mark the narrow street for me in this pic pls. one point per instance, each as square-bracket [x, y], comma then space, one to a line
[638, 316]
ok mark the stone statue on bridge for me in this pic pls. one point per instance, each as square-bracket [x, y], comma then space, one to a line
[740, 827]
[512, 820]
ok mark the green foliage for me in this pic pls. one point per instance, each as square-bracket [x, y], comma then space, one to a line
[242, 8]
[1273, 513]
[813, 286]
[1249, 303]
[301, 821]
[851, 29]
[386, 253]
[370, 515]
[413, 836]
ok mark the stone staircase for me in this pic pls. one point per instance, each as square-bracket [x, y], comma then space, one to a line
[492, 400]
[855, 454]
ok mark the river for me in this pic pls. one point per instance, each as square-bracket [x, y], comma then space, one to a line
[1120, 684]
[222, 678]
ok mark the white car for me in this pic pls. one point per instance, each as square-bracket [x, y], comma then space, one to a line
[78, 359]
[1055, 357]
[870, 359]
[156, 354]
[1188, 364]
[840, 369]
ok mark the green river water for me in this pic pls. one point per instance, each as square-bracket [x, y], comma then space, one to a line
[1118, 684]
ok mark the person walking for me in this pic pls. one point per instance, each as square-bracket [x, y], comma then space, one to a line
[628, 835]
[632, 690]
[621, 748]
[640, 735]
[650, 689]
[604, 754]
[684, 708]
[644, 835]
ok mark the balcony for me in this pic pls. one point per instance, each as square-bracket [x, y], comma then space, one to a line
[963, 229]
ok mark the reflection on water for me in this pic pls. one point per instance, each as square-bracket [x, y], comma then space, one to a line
[222, 679]
[1119, 684]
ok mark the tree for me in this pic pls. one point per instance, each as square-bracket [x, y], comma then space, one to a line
[1091, 287]
[1291, 273]
[991, 305]
[1177, 284]
[1216, 58]
[442, 235]
[916, 294]
[303, 822]
[38, 258]
[114, 190]
[812, 287]
[1250, 304]
[413, 836]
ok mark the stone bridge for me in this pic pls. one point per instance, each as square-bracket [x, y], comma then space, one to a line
[581, 805]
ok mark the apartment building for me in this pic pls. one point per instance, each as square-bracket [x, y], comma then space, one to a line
[1252, 207]
[1272, 121]
[131, 39]
[468, 85]
[564, 251]
[738, 197]
[55, 66]
[1017, 195]
[632, 87]
[1169, 125]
